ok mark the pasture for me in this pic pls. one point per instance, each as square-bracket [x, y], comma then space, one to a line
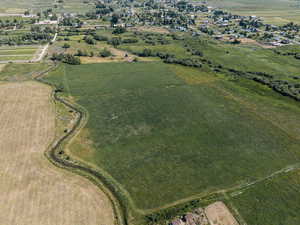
[21, 72]
[275, 201]
[8, 53]
[167, 133]
[34, 191]
[20, 6]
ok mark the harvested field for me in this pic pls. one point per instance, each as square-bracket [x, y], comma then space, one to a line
[218, 213]
[2, 67]
[151, 29]
[254, 42]
[33, 191]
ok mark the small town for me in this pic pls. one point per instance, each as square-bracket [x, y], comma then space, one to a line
[197, 18]
[150, 112]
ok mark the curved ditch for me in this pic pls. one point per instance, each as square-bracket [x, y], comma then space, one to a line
[113, 194]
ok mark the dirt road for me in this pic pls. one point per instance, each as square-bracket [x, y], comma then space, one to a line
[33, 191]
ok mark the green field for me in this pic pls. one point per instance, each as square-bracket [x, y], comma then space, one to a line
[166, 133]
[273, 202]
[21, 72]
[12, 58]
[272, 11]
[17, 53]
[20, 6]
[239, 57]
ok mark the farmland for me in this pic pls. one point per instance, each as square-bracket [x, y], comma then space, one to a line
[275, 201]
[272, 11]
[49, 195]
[150, 112]
[166, 133]
[21, 72]
[19, 6]
[18, 53]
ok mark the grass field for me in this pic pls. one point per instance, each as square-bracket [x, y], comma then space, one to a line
[49, 195]
[274, 202]
[17, 53]
[18, 72]
[15, 57]
[20, 6]
[272, 11]
[166, 133]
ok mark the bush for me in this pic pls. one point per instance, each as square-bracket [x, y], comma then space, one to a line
[119, 30]
[66, 58]
[81, 53]
[57, 57]
[100, 37]
[130, 40]
[71, 59]
[146, 53]
[105, 53]
[115, 41]
[66, 45]
[90, 40]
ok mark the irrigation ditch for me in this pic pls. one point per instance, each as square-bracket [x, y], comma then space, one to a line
[114, 195]
[120, 202]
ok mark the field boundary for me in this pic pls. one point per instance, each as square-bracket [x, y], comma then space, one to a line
[121, 201]
[75, 167]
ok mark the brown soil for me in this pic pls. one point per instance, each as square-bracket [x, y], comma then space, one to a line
[161, 30]
[218, 214]
[2, 67]
[251, 41]
[33, 191]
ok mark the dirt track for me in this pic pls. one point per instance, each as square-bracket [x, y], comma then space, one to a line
[33, 191]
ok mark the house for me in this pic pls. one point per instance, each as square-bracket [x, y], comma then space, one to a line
[177, 222]
[47, 22]
[100, 27]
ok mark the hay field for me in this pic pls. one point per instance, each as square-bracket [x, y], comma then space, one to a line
[153, 126]
[32, 190]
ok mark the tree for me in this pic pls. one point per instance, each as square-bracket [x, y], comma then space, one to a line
[71, 59]
[66, 45]
[81, 53]
[54, 17]
[105, 53]
[114, 19]
[146, 52]
[90, 40]
[119, 30]
[236, 41]
[115, 41]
